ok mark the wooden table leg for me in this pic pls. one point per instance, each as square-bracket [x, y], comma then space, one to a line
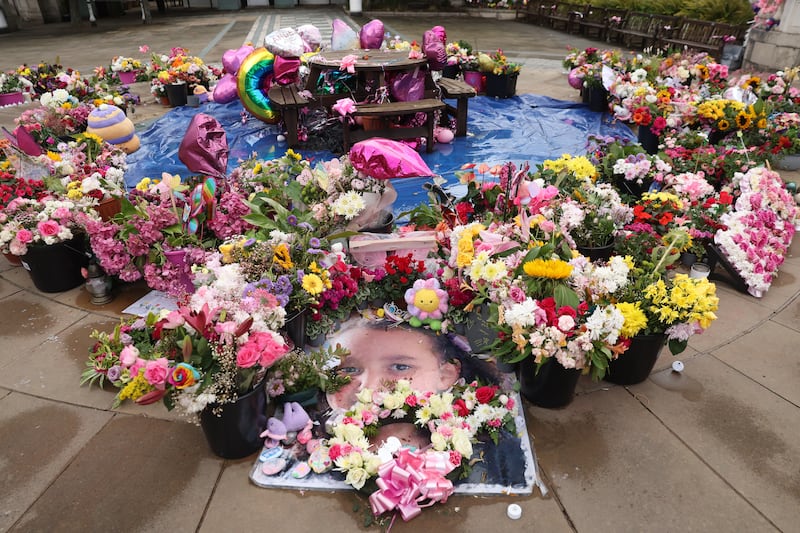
[430, 121]
[290, 119]
[461, 117]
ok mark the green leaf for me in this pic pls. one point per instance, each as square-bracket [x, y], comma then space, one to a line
[677, 346]
[564, 295]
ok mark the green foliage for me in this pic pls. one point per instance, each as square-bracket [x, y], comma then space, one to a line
[729, 11]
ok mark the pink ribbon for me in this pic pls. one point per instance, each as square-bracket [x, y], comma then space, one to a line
[411, 481]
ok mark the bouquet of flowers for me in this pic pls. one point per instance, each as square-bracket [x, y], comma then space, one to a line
[10, 82]
[678, 307]
[783, 134]
[190, 359]
[299, 371]
[60, 115]
[125, 64]
[499, 64]
[26, 222]
[592, 215]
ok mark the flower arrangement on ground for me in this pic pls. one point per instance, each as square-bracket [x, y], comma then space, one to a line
[26, 222]
[189, 358]
[126, 64]
[10, 82]
[59, 115]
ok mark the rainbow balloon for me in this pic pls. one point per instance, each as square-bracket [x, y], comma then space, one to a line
[253, 81]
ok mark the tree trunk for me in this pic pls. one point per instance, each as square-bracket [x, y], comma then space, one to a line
[74, 13]
[11, 15]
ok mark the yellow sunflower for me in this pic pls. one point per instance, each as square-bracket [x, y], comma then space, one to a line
[743, 121]
[723, 125]
[550, 268]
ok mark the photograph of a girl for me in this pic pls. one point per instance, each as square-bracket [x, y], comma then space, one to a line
[382, 352]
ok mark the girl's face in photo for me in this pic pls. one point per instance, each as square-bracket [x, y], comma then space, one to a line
[378, 356]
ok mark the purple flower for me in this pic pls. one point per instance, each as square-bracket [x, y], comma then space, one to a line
[113, 373]
[313, 242]
[291, 220]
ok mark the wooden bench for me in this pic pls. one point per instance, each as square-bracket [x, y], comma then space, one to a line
[642, 29]
[592, 21]
[561, 15]
[429, 106]
[289, 102]
[702, 36]
[529, 13]
[461, 92]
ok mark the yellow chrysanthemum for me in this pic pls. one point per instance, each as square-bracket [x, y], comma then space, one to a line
[53, 156]
[312, 284]
[635, 319]
[550, 268]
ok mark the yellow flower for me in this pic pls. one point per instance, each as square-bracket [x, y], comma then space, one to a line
[723, 125]
[312, 284]
[74, 194]
[53, 156]
[465, 250]
[635, 319]
[294, 155]
[762, 123]
[550, 268]
[136, 388]
[257, 168]
[743, 120]
[227, 252]
[282, 256]
[143, 185]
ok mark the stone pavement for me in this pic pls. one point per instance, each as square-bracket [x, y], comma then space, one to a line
[712, 449]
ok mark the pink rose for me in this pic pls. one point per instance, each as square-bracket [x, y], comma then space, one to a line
[61, 212]
[155, 372]
[248, 355]
[128, 355]
[24, 236]
[48, 228]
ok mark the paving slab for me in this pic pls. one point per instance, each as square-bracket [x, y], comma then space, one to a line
[615, 467]
[7, 289]
[38, 439]
[748, 436]
[124, 294]
[789, 316]
[238, 501]
[767, 355]
[30, 320]
[737, 313]
[136, 474]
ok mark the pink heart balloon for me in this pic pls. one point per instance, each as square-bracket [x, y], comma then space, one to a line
[226, 91]
[371, 35]
[434, 50]
[232, 59]
[285, 70]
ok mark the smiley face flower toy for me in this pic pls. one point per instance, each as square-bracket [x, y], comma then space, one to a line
[427, 303]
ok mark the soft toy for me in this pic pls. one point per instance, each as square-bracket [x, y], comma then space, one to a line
[427, 303]
[296, 420]
[110, 124]
[275, 433]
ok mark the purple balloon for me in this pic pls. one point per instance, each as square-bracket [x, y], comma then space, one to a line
[575, 79]
[440, 33]
[408, 86]
[371, 35]
[204, 148]
[285, 71]
[434, 50]
[232, 59]
[226, 90]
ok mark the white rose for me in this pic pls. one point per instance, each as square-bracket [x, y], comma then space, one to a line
[356, 477]
[438, 441]
[364, 396]
[461, 443]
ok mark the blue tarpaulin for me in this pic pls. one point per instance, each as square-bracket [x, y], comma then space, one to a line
[525, 128]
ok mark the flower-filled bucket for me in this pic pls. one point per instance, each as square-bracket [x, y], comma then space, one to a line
[56, 267]
[501, 85]
[232, 429]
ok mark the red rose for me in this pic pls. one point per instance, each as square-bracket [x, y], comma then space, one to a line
[461, 407]
[485, 394]
[411, 400]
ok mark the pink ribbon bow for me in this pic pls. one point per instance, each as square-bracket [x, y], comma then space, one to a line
[348, 63]
[411, 481]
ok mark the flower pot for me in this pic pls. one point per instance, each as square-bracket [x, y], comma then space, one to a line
[317, 341]
[478, 331]
[296, 329]
[177, 94]
[178, 258]
[787, 162]
[501, 85]
[552, 387]
[699, 271]
[648, 139]
[476, 80]
[108, 207]
[306, 398]
[383, 224]
[597, 253]
[598, 98]
[688, 259]
[128, 77]
[163, 100]
[638, 361]
[56, 267]
[451, 71]
[14, 260]
[716, 137]
[11, 98]
[234, 432]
